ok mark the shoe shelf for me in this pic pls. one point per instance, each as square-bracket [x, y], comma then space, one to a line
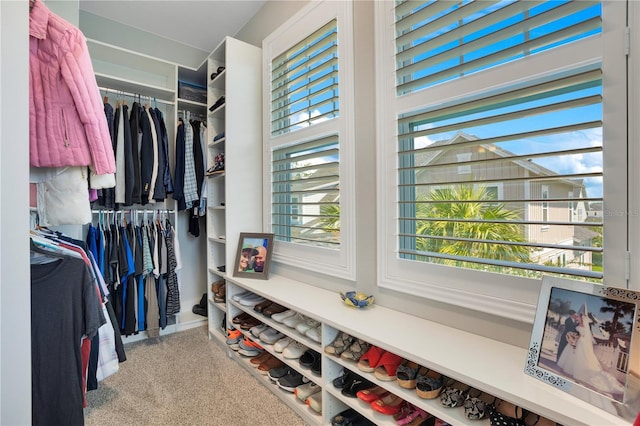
[289, 399]
[218, 113]
[220, 142]
[215, 175]
[219, 81]
[490, 366]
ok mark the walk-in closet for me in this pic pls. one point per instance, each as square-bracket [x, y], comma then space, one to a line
[323, 212]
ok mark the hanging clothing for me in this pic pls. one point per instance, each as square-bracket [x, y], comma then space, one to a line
[173, 292]
[179, 171]
[120, 120]
[64, 308]
[190, 179]
[136, 140]
[129, 178]
[66, 127]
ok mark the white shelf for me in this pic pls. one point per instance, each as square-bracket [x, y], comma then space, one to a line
[219, 82]
[491, 366]
[220, 141]
[134, 87]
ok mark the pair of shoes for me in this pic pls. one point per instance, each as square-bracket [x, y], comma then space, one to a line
[256, 330]
[248, 347]
[218, 136]
[477, 403]
[218, 165]
[291, 381]
[313, 360]
[294, 350]
[410, 414]
[240, 318]
[429, 383]
[314, 334]
[340, 344]
[315, 402]
[251, 299]
[272, 309]
[406, 374]
[305, 391]
[270, 336]
[293, 320]
[454, 394]
[388, 405]
[220, 292]
[371, 394]
[307, 325]
[358, 348]
[353, 384]
[269, 364]
[259, 359]
[281, 316]
[281, 344]
[350, 417]
[505, 413]
[382, 363]
[233, 338]
[218, 103]
[277, 372]
[260, 306]
[217, 73]
[249, 323]
[202, 307]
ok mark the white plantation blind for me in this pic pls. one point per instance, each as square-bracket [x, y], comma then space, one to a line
[531, 154]
[437, 41]
[304, 82]
[306, 193]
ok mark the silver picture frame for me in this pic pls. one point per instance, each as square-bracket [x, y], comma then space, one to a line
[586, 341]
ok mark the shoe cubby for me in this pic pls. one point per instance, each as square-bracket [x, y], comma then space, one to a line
[234, 132]
[488, 366]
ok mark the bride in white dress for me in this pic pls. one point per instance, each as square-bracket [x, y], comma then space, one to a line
[580, 361]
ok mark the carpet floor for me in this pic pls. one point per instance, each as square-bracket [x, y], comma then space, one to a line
[184, 379]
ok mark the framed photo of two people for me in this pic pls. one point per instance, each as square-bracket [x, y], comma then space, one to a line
[586, 341]
[253, 257]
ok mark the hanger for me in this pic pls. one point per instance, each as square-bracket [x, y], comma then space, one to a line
[105, 100]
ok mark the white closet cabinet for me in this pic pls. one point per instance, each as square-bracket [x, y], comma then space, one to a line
[496, 368]
[125, 74]
[234, 200]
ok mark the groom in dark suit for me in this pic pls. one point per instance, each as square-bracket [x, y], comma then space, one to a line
[569, 325]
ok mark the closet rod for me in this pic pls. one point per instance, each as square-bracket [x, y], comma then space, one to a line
[135, 95]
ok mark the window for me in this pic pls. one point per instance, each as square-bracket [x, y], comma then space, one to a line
[309, 140]
[514, 91]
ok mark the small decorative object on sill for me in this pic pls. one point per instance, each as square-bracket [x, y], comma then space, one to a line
[356, 299]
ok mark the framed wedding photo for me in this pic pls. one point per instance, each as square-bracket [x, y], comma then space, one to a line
[253, 257]
[586, 342]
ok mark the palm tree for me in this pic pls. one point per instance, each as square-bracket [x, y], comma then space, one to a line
[619, 310]
[481, 239]
[331, 217]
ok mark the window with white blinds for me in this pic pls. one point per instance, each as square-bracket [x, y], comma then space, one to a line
[309, 140]
[539, 143]
[437, 41]
[496, 115]
[304, 83]
[306, 193]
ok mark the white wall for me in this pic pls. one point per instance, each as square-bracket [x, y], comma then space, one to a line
[15, 327]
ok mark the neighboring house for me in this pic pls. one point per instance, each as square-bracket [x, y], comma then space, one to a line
[506, 177]
[303, 210]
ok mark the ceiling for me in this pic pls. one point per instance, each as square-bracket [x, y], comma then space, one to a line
[200, 24]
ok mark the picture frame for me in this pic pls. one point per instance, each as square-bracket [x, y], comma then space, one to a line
[586, 341]
[253, 258]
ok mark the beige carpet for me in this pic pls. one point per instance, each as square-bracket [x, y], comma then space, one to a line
[184, 379]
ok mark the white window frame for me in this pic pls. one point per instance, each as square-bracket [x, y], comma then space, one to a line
[544, 206]
[341, 262]
[507, 296]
